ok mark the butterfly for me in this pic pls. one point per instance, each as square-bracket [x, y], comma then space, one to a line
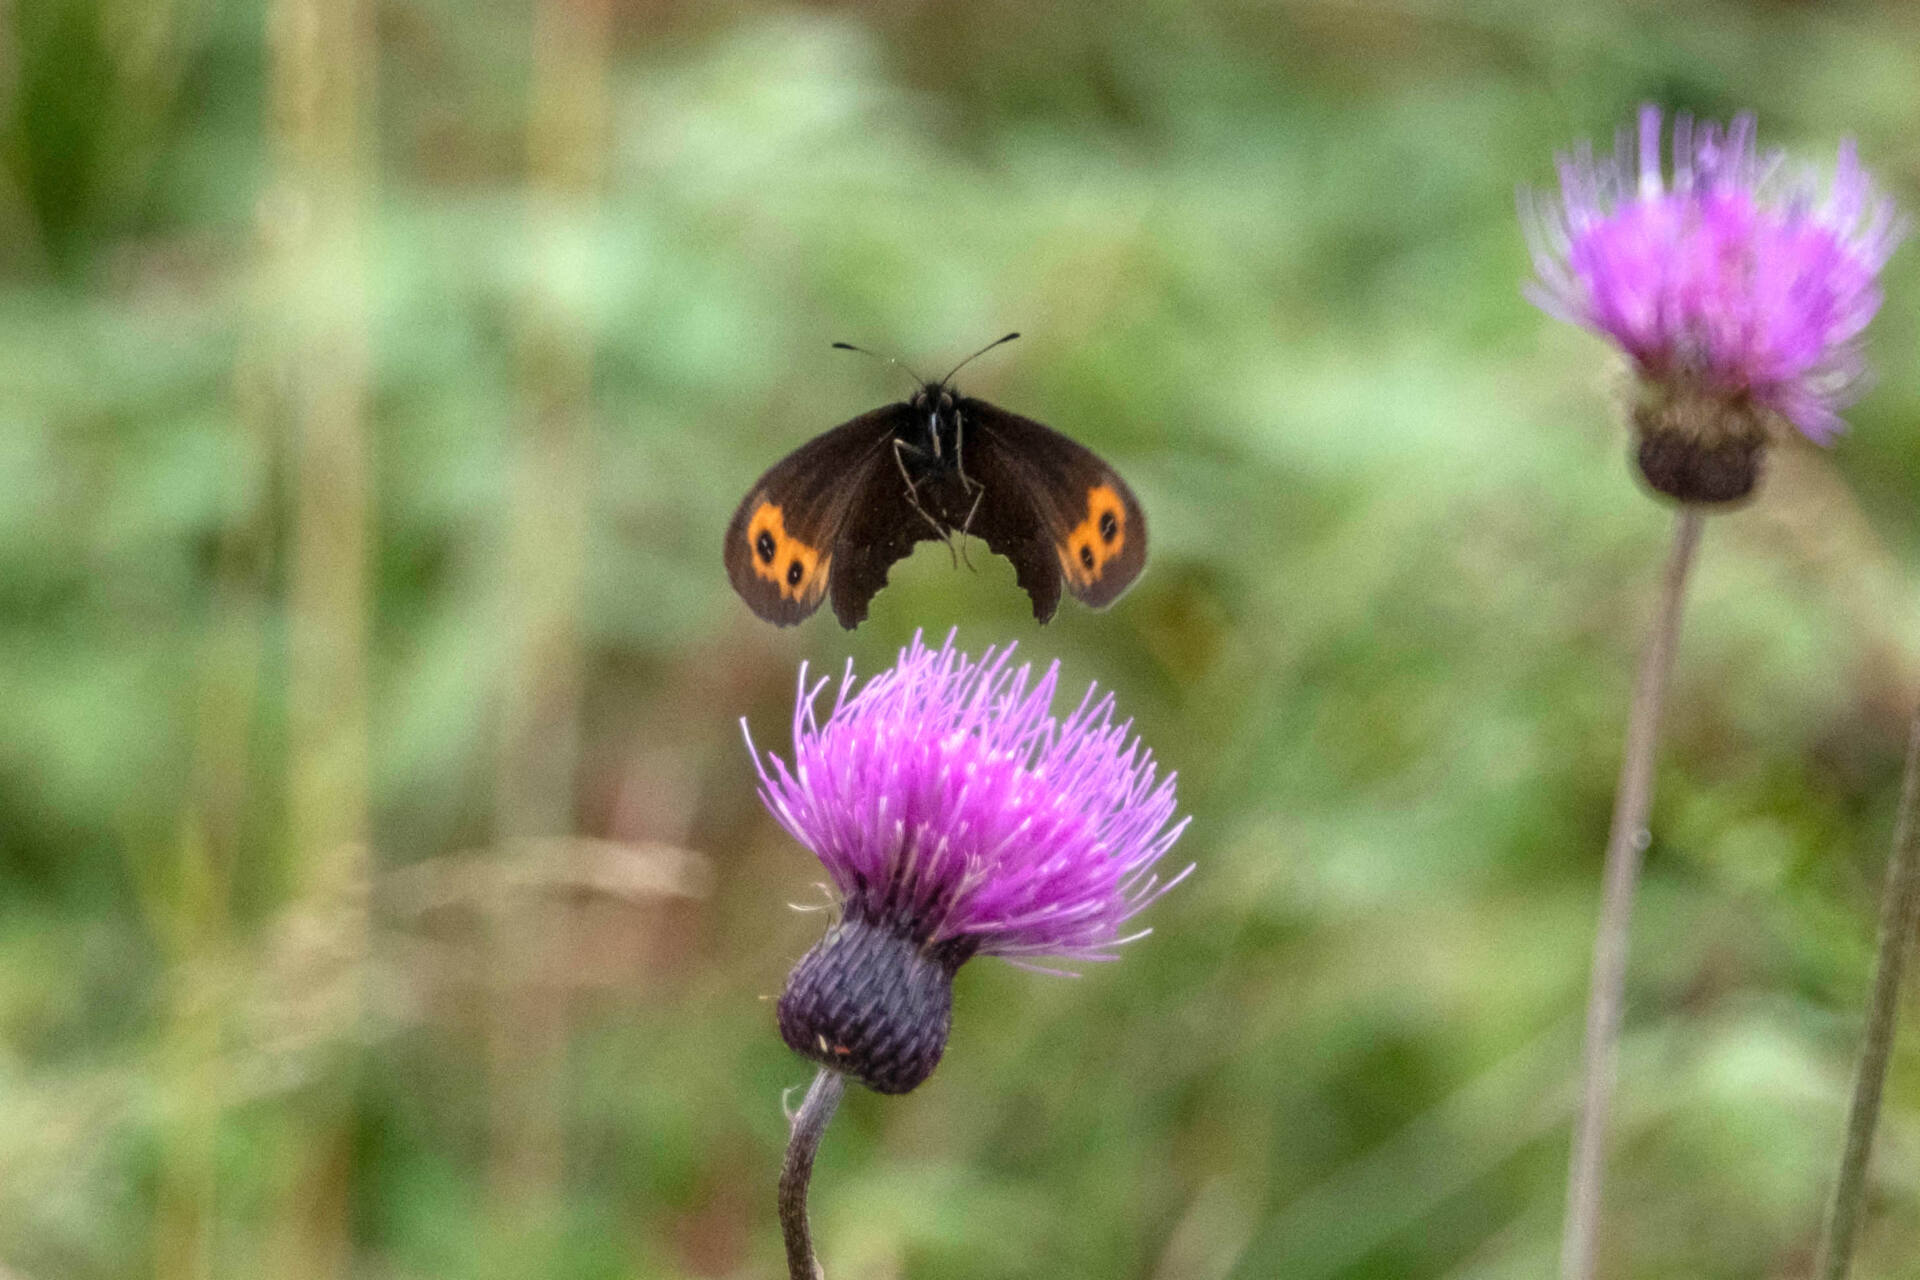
[832, 517]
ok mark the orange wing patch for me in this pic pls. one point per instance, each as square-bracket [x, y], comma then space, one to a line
[798, 570]
[1097, 539]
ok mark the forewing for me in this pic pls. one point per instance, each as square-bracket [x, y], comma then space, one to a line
[781, 543]
[1053, 507]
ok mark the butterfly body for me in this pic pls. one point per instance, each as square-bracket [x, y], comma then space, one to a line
[833, 516]
[929, 449]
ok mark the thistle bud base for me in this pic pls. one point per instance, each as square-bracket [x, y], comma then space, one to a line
[871, 1003]
[1700, 448]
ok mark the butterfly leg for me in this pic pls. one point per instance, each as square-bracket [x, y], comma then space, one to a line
[966, 526]
[967, 485]
[940, 531]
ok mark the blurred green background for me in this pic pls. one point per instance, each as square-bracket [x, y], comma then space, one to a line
[382, 887]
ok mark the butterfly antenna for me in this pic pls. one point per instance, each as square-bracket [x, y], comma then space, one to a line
[918, 381]
[975, 356]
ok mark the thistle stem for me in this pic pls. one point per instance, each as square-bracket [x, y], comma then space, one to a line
[1626, 841]
[1899, 916]
[808, 1126]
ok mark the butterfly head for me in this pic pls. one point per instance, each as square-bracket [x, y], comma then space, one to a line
[933, 397]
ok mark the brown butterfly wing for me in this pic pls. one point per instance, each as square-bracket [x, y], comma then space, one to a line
[1053, 507]
[787, 534]
[881, 528]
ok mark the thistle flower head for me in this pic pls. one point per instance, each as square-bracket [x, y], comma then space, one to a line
[1738, 288]
[957, 816]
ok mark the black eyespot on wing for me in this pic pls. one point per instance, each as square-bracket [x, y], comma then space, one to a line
[1109, 527]
[794, 573]
[764, 545]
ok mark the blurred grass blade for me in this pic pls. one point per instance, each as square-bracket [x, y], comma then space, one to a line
[541, 587]
[311, 228]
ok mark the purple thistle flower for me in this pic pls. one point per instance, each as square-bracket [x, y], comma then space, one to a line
[1740, 291]
[957, 817]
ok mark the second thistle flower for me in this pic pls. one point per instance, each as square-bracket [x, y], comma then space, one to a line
[1739, 291]
[957, 816]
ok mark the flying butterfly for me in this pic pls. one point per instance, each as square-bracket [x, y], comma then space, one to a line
[833, 516]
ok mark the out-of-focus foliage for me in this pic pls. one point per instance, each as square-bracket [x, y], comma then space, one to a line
[560, 281]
